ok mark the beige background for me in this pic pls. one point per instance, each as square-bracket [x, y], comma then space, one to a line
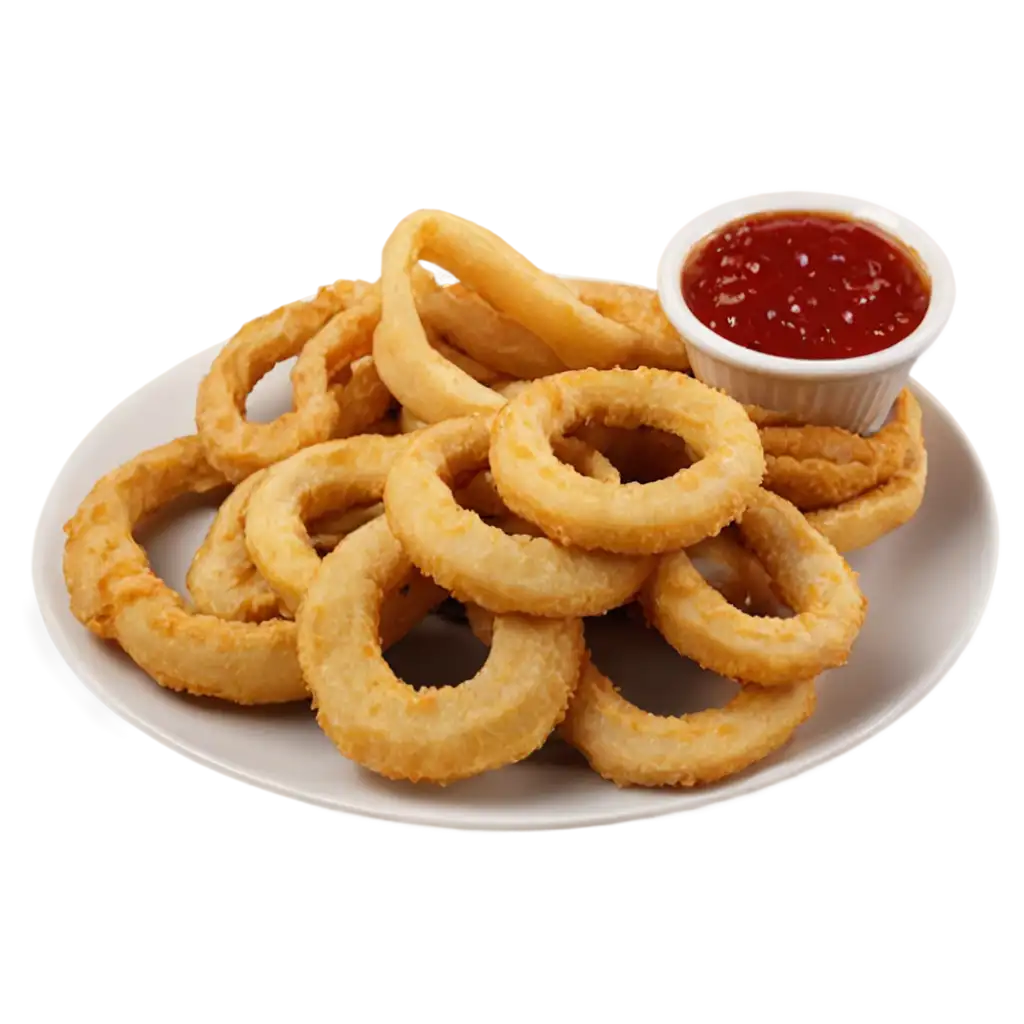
[161, 172]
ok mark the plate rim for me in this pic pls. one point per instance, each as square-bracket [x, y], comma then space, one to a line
[481, 820]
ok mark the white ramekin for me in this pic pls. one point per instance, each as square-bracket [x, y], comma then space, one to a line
[853, 393]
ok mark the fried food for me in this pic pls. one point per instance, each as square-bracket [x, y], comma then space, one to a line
[407, 422]
[328, 477]
[736, 573]
[348, 310]
[421, 379]
[115, 593]
[808, 574]
[362, 400]
[498, 717]
[467, 364]
[642, 455]
[478, 562]
[479, 330]
[530, 446]
[630, 518]
[325, 532]
[335, 488]
[638, 308]
[632, 747]
[863, 520]
[222, 579]
[499, 341]
[819, 467]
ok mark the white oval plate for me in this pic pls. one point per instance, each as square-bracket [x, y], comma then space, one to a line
[927, 584]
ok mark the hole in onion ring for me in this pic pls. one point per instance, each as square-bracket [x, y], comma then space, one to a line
[173, 534]
[272, 395]
[641, 455]
[738, 575]
[437, 652]
[671, 685]
[668, 684]
[449, 622]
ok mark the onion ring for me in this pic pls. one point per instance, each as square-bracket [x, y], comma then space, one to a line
[330, 486]
[222, 579]
[817, 467]
[638, 308]
[115, 593]
[736, 573]
[863, 520]
[237, 447]
[632, 747]
[327, 531]
[630, 518]
[498, 717]
[363, 404]
[497, 340]
[481, 563]
[642, 455]
[339, 352]
[327, 477]
[467, 364]
[810, 576]
[100, 551]
[408, 423]
[422, 379]
[476, 327]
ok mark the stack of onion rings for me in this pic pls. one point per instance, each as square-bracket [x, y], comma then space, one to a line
[870, 516]
[237, 447]
[480, 563]
[116, 594]
[819, 467]
[547, 458]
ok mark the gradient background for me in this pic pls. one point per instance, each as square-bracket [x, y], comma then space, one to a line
[162, 171]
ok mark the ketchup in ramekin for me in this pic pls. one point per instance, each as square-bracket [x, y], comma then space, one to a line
[806, 285]
[811, 304]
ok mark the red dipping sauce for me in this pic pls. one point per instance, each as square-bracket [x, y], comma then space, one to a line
[806, 285]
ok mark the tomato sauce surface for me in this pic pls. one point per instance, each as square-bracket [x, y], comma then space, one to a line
[806, 285]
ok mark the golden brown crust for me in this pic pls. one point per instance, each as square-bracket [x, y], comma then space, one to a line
[629, 518]
[809, 575]
[116, 594]
[441, 734]
[222, 579]
[632, 747]
[601, 475]
[639, 309]
[346, 310]
[818, 467]
[328, 477]
[479, 330]
[479, 562]
[863, 520]
[431, 387]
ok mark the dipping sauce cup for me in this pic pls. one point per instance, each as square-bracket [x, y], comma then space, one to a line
[855, 392]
